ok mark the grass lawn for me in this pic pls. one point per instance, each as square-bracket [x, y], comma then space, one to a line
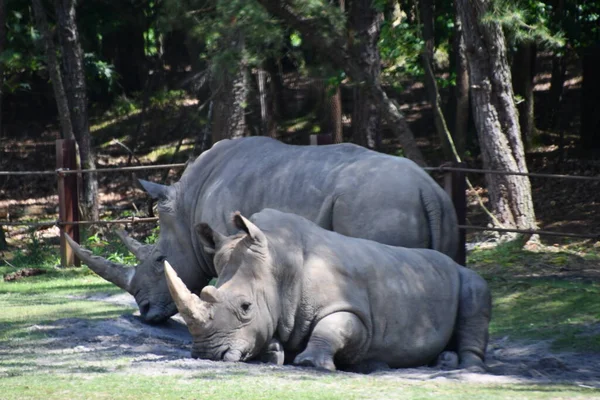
[527, 305]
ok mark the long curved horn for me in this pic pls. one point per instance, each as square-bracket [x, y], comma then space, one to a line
[193, 310]
[115, 273]
[140, 251]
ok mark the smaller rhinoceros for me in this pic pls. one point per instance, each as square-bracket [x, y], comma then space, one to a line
[288, 286]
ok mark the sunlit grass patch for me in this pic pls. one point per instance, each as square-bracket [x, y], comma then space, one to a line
[102, 385]
[534, 298]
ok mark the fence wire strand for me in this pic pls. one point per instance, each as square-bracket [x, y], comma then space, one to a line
[137, 220]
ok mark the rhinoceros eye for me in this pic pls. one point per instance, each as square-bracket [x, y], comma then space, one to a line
[160, 259]
[245, 306]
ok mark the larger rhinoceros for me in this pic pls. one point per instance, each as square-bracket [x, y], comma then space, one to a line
[344, 188]
[330, 299]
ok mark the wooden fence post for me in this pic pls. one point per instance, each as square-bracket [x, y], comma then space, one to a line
[68, 207]
[455, 183]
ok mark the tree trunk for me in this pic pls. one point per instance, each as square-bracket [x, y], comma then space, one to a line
[523, 72]
[62, 104]
[427, 18]
[557, 82]
[3, 244]
[334, 45]
[365, 22]
[230, 91]
[328, 109]
[461, 90]
[559, 73]
[74, 81]
[335, 115]
[268, 104]
[590, 106]
[2, 44]
[496, 117]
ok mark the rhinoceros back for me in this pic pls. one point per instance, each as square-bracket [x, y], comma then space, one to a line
[345, 188]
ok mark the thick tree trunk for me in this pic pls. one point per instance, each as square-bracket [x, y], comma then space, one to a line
[62, 104]
[461, 90]
[523, 72]
[427, 19]
[230, 91]
[74, 81]
[496, 117]
[334, 45]
[365, 22]
[590, 106]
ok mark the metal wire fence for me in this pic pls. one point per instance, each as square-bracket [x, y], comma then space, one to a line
[454, 177]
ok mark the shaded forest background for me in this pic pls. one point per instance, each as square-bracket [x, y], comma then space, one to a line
[160, 81]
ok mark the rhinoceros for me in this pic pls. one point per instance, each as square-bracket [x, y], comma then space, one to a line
[344, 188]
[285, 284]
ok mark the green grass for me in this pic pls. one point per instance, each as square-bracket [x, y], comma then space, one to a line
[529, 307]
[247, 386]
[531, 303]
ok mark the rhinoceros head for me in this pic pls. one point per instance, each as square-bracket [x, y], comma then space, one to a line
[234, 320]
[146, 281]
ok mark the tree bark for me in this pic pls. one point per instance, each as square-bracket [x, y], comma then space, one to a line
[365, 22]
[496, 117]
[523, 72]
[334, 45]
[427, 19]
[268, 104]
[74, 81]
[590, 106]
[461, 90]
[230, 91]
[62, 104]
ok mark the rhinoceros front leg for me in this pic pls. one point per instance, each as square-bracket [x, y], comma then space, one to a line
[273, 353]
[341, 333]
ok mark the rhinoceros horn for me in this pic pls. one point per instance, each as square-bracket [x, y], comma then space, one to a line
[118, 274]
[194, 311]
[139, 250]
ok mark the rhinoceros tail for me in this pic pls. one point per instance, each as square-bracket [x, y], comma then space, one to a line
[435, 213]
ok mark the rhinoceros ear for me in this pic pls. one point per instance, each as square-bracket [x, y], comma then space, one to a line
[209, 238]
[156, 190]
[210, 294]
[252, 230]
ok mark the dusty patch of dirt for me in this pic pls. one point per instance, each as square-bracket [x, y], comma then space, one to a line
[127, 345]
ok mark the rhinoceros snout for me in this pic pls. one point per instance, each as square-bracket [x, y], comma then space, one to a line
[152, 315]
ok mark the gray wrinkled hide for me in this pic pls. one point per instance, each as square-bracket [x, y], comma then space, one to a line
[345, 188]
[336, 299]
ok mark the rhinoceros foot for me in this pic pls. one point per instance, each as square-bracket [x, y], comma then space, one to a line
[472, 362]
[315, 359]
[447, 360]
[274, 353]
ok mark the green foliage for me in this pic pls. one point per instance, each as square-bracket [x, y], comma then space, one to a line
[22, 55]
[123, 105]
[166, 98]
[220, 27]
[400, 46]
[525, 21]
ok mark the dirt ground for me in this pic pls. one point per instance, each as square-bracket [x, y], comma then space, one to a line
[127, 345]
